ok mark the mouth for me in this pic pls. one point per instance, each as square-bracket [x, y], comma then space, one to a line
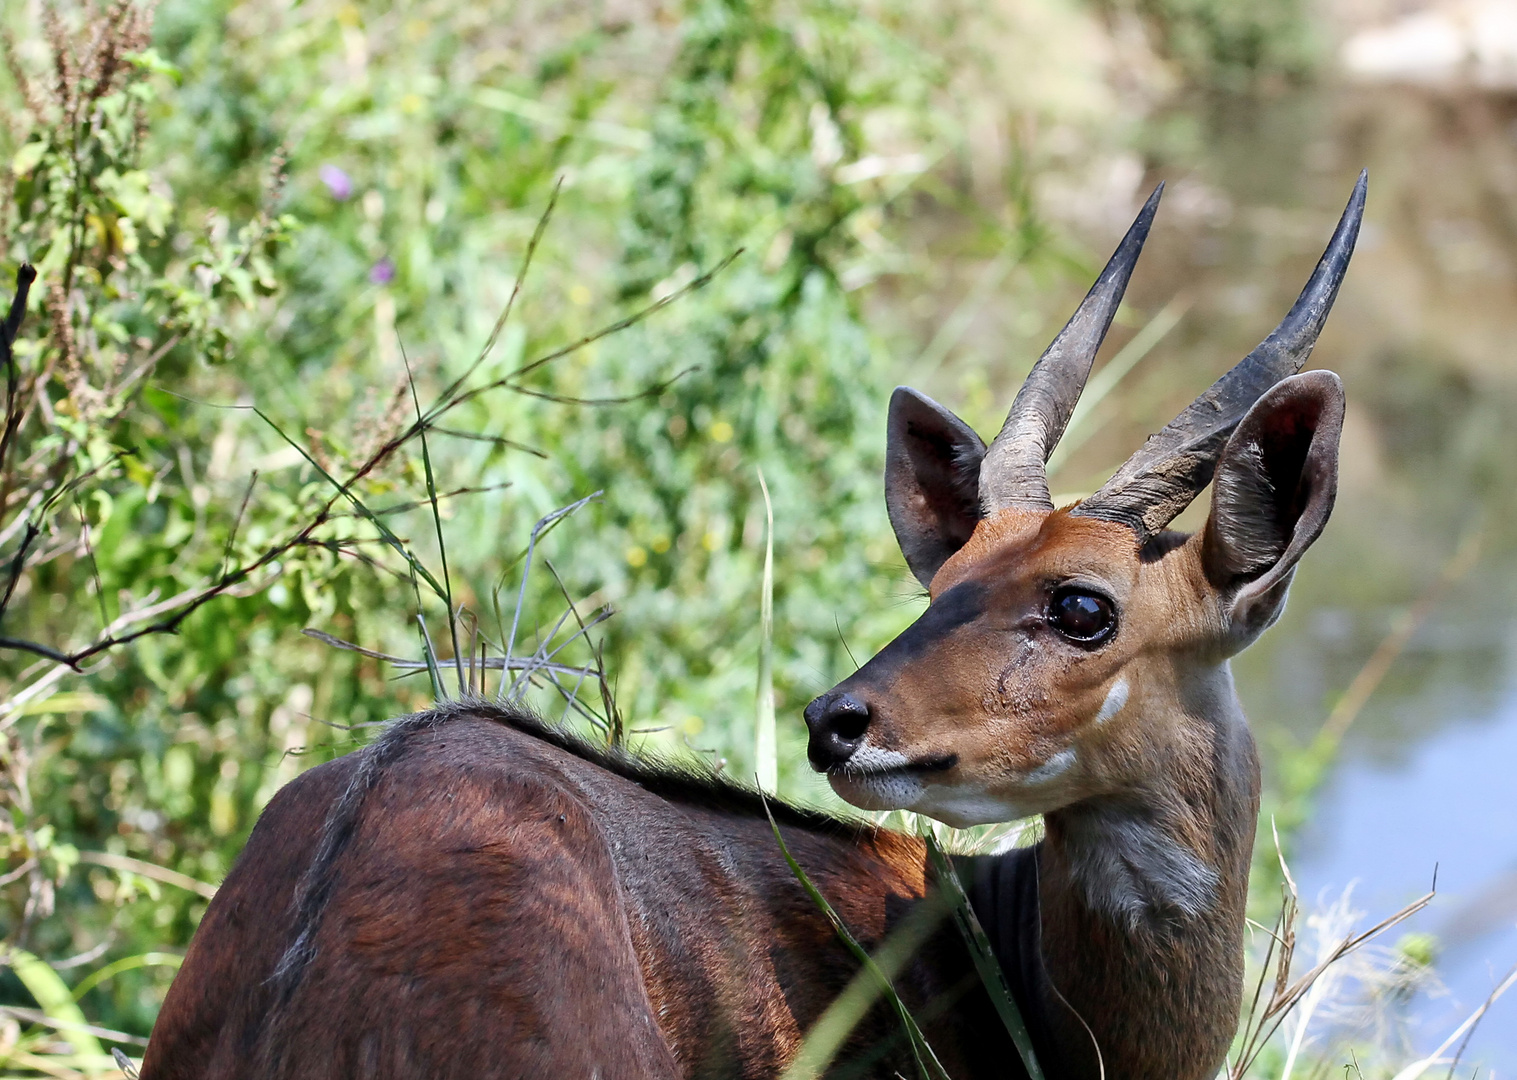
[887, 785]
[923, 766]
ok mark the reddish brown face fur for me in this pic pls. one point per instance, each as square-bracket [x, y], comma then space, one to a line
[990, 713]
[988, 709]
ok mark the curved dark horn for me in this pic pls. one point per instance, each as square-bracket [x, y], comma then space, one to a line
[1172, 468]
[1013, 473]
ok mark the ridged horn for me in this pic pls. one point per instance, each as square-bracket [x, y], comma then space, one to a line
[1173, 467]
[1013, 471]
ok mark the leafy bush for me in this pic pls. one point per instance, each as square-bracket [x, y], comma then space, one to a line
[183, 279]
[323, 211]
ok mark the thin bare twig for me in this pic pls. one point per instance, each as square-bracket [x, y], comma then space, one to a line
[231, 539]
[497, 440]
[89, 552]
[513, 380]
[521, 277]
[543, 526]
[25, 275]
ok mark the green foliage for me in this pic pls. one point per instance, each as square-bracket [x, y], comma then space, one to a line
[180, 275]
[99, 548]
[322, 210]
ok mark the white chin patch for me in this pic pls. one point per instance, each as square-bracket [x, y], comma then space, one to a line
[872, 759]
[878, 791]
[1036, 792]
[877, 780]
[964, 807]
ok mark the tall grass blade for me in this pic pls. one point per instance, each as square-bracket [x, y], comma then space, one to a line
[849, 1008]
[927, 1061]
[958, 323]
[128, 963]
[541, 529]
[765, 751]
[142, 868]
[442, 545]
[439, 691]
[1464, 558]
[1417, 1068]
[984, 957]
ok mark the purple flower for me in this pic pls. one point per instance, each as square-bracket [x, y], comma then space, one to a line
[339, 183]
[382, 272]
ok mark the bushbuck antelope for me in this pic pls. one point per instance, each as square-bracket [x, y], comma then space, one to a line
[477, 894]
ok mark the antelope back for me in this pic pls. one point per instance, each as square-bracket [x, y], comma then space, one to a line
[480, 895]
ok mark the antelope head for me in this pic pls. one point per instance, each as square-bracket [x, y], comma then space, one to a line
[1064, 649]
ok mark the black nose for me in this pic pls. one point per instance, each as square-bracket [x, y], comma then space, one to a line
[837, 721]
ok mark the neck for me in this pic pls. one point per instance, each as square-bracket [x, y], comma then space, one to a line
[1139, 909]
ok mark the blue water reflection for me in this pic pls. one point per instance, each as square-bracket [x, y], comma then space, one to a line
[1449, 802]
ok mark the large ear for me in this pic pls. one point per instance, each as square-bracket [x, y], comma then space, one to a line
[932, 480]
[1271, 496]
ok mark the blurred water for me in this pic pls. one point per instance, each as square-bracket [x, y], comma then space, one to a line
[1424, 336]
[1450, 803]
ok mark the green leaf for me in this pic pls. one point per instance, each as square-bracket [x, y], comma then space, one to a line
[149, 60]
[53, 998]
[27, 157]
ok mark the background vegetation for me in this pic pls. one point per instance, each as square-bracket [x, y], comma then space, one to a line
[271, 236]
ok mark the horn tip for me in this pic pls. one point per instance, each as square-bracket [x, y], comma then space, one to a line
[1347, 231]
[1127, 252]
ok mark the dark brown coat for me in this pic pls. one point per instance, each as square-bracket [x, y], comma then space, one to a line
[467, 898]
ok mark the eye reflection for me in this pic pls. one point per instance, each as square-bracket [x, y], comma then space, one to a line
[1082, 616]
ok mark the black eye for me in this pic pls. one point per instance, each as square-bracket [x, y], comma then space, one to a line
[1082, 616]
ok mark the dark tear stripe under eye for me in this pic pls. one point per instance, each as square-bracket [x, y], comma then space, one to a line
[963, 603]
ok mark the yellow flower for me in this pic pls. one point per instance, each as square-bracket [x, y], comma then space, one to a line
[721, 431]
[636, 557]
